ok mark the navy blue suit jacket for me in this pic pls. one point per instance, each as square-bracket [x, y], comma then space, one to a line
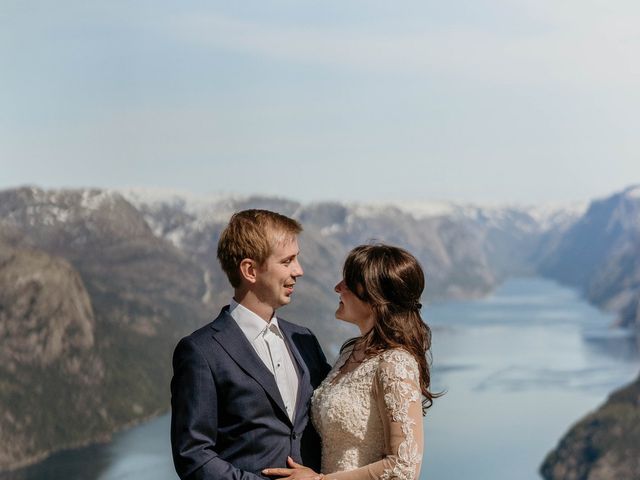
[228, 420]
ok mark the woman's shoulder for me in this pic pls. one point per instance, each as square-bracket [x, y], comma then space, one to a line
[397, 354]
[398, 362]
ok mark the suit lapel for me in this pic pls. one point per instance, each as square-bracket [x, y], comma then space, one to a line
[231, 338]
[304, 384]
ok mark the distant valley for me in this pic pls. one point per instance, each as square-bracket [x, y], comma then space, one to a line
[97, 286]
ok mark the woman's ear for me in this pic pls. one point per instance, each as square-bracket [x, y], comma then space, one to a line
[248, 270]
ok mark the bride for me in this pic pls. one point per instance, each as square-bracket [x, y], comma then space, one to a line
[368, 411]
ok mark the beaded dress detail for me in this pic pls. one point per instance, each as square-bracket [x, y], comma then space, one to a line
[370, 418]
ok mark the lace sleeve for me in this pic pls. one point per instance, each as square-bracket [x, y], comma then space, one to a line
[397, 391]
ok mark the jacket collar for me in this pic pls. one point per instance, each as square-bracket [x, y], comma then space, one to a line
[233, 341]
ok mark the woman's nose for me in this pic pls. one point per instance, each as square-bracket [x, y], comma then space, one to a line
[338, 287]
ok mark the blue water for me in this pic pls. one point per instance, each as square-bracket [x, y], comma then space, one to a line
[519, 368]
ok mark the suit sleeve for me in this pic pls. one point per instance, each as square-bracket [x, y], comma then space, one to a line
[194, 419]
[318, 367]
[322, 360]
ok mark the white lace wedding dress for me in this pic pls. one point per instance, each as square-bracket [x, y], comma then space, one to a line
[370, 418]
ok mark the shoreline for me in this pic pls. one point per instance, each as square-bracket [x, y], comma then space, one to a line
[99, 440]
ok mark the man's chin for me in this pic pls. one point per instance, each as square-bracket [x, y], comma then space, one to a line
[285, 300]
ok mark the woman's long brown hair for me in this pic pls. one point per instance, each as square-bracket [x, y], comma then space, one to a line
[391, 280]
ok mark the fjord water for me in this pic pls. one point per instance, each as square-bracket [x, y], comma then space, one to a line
[518, 368]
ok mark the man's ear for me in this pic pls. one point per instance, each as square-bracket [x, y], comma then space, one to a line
[248, 270]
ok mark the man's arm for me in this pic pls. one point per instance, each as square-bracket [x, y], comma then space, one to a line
[310, 448]
[322, 359]
[194, 419]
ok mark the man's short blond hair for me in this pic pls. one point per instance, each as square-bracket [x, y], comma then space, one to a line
[252, 234]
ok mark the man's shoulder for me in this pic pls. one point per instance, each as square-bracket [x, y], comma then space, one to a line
[293, 327]
[195, 341]
[205, 331]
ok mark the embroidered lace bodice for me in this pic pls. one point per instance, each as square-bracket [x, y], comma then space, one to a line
[370, 418]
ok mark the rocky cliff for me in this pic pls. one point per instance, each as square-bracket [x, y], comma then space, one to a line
[47, 362]
[91, 304]
[605, 445]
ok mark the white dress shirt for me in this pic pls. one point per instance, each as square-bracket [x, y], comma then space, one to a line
[269, 343]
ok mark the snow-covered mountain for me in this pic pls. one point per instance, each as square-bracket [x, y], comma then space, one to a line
[466, 249]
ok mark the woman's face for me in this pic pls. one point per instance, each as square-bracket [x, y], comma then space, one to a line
[353, 310]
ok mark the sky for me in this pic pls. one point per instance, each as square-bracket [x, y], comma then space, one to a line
[501, 101]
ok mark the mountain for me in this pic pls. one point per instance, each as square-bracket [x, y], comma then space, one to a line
[91, 305]
[604, 445]
[96, 287]
[600, 254]
[467, 250]
[48, 335]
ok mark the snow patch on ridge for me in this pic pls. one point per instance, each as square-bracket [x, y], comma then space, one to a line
[633, 192]
[206, 209]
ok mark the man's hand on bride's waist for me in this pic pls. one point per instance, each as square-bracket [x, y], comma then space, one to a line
[296, 472]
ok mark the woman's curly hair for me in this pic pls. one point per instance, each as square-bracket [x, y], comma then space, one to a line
[391, 281]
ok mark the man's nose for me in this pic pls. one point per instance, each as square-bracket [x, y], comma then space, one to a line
[338, 287]
[297, 270]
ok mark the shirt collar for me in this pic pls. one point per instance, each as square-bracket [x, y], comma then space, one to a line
[251, 324]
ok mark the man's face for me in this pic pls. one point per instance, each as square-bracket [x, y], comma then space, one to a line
[275, 279]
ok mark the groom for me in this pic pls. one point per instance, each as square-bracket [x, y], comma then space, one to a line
[242, 384]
